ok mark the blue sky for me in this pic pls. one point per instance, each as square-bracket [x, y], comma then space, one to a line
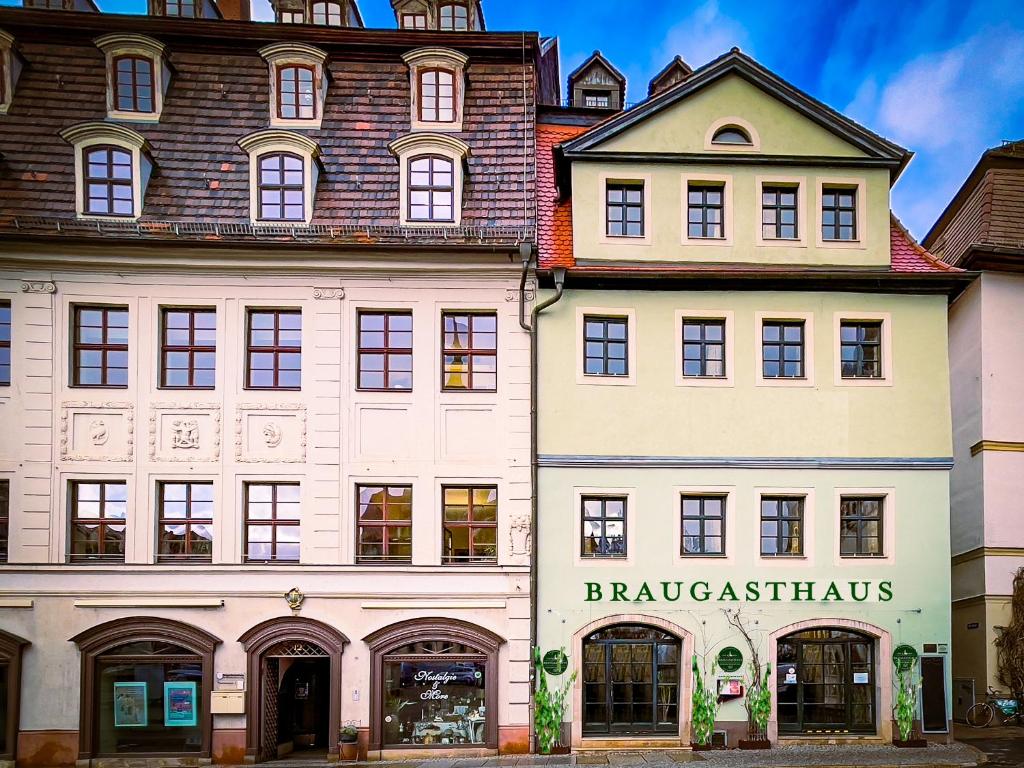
[942, 78]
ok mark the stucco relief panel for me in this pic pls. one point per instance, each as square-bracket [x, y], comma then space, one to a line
[186, 432]
[97, 431]
[469, 433]
[269, 433]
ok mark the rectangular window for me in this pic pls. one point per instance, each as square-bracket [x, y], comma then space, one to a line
[188, 348]
[5, 343]
[431, 189]
[605, 346]
[454, 16]
[100, 347]
[183, 8]
[293, 17]
[5, 519]
[782, 526]
[98, 514]
[296, 93]
[470, 525]
[274, 354]
[108, 186]
[624, 209]
[782, 349]
[385, 351]
[470, 352]
[384, 530]
[437, 95]
[134, 79]
[596, 99]
[272, 512]
[861, 527]
[185, 522]
[861, 349]
[705, 210]
[603, 529]
[414, 21]
[838, 213]
[779, 213]
[703, 348]
[703, 525]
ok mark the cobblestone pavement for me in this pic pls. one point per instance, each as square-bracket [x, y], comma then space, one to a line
[1004, 745]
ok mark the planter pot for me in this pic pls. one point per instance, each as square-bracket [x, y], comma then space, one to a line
[559, 750]
[705, 747]
[755, 744]
[910, 743]
[348, 750]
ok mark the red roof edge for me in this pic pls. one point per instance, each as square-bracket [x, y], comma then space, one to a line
[908, 255]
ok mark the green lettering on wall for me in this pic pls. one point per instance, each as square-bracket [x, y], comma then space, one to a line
[706, 592]
[775, 585]
[802, 593]
[644, 594]
[728, 590]
[753, 591]
[885, 591]
[832, 593]
[665, 590]
[853, 591]
[593, 591]
[619, 592]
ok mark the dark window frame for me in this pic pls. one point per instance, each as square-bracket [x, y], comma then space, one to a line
[704, 207]
[703, 518]
[383, 523]
[296, 94]
[181, 5]
[276, 349]
[469, 523]
[291, 16]
[778, 518]
[430, 188]
[471, 352]
[133, 80]
[605, 340]
[187, 522]
[836, 208]
[623, 207]
[327, 7]
[439, 101]
[416, 17]
[603, 519]
[704, 344]
[859, 346]
[102, 522]
[745, 140]
[595, 99]
[104, 347]
[5, 520]
[110, 182]
[455, 7]
[272, 522]
[281, 187]
[778, 208]
[190, 349]
[6, 339]
[386, 351]
[782, 345]
[859, 518]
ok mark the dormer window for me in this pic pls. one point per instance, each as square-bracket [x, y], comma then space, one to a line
[414, 21]
[297, 84]
[731, 134]
[51, 5]
[293, 17]
[185, 9]
[431, 178]
[283, 171]
[596, 84]
[137, 76]
[112, 169]
[327, 13]
[453, 17]
[597, 99]
[437, 77]
[10, 69]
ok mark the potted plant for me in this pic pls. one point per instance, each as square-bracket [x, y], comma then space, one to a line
[758, 703]
[906, 707]
[348, 747]
[549, 710]
[705, 711]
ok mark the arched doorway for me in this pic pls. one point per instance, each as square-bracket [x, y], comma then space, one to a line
[11, 647]
[826, 682]
[433, 684]
[145, 689]
[294, 699]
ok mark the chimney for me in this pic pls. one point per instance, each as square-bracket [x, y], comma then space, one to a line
[234, 10]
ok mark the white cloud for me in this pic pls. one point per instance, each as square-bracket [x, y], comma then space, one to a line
[704, 35]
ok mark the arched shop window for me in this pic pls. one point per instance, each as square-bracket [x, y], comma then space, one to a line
[433, 684]
[146, 686]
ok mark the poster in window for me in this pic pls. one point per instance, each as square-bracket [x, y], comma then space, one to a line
[130, 705]
[180, 704]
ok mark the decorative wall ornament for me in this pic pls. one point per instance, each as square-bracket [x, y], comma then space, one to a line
[520, 535]
[512, 294]
[182, 411]
[294, 597]
[185, 433]
[328, 293]
[297, 410]
[272, 435]
[124, 409]
[98, 432]
[38, 286]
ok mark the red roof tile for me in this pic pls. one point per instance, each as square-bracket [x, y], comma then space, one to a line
[908, 256]
[554, 219]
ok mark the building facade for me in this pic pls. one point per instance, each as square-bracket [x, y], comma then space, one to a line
[265, 398]
[744, 419]
[982, 229]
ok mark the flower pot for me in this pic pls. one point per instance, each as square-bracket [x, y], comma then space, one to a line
[910, 743]
[755, 744]
[348, 750]
[559, 750]
[705, 747]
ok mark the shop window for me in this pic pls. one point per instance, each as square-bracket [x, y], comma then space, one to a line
[385, 351]
[605, 346]
[603, 528]
[703, 525]
[272, 520]
[470, 351]
[5, 343]
[470, 525]
[384, 528]
[5, 527]
[861, 521]
[703, 348]
[274, 355]
[782, 349]
[99, 511]
[185, 522]
[188, 348]
[782, 526]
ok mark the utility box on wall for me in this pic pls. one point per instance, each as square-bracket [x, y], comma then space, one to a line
[227, 702]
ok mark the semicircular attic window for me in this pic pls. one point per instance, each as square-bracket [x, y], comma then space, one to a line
[731, 134]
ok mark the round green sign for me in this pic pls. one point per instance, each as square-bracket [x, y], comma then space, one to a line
[903, 657]
[555, 662]
[730, 659]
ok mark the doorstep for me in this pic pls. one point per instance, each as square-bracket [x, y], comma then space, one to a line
[628, 744]
[832, 739]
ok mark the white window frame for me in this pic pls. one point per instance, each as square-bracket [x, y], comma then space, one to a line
[726, 181]
[806, 560]
[117, 45]
[888, 495]
[10, 70]
[885, 318]
[712, 146]
[802, 219]
[278, 55]
[578, 492]
[275, 140]
[857, 183]
[84, 135]
[629, 314]
[729, 521]
[443, 58]
[606, 178]
[807, 380]
[415, 144]
[728, 317]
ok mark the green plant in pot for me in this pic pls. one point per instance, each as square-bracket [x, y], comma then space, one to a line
[549, 708]
[705, 708]
[758, 703]
[348, 745]
[906, 707]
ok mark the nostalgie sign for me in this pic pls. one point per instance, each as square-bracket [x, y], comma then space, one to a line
[730, 659]
[903, 657]
[180, 704]
[555, 662]
[130, 705]
[860, 591]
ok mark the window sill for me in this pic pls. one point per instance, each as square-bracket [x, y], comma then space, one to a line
[98, 386]
[695, 556]
[704, 381]
[706, 241]
[606, 380]
[272, 389]
[133, 117]
[185, 389]
[782, 557]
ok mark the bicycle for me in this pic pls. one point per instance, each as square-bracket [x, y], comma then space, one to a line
[980, 715]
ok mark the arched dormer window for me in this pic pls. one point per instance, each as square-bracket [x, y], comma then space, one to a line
[732, 134]
[137, 76]
[283, 172]
[112, 170]
[298, 84]
[437, 76]
[432, 174]
[328, 13]
[10, 69]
